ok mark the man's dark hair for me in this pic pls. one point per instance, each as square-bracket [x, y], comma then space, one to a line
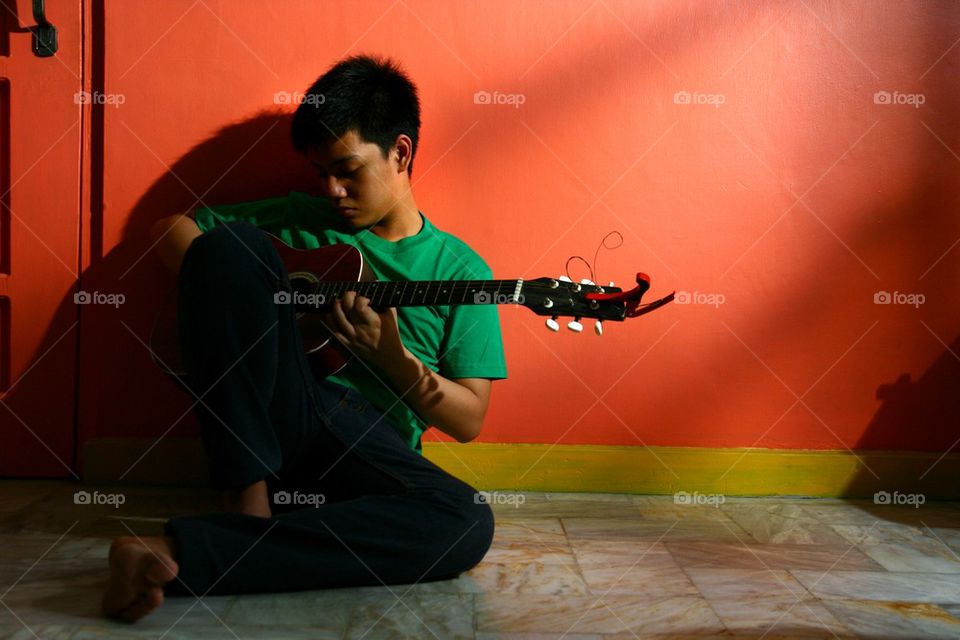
[370, 95]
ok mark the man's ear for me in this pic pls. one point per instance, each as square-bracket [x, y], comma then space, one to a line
[402, 148]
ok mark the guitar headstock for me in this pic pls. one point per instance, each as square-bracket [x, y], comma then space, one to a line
[561, 296]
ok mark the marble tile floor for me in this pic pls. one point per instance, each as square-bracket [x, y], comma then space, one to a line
[562, 565]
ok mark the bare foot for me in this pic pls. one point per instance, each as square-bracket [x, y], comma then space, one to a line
[137, 576]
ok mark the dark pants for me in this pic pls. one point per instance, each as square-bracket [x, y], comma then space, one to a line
[353, 504]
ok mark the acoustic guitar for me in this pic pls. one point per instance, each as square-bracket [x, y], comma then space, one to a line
[319, 276]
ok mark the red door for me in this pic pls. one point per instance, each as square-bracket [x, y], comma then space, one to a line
[40, 134]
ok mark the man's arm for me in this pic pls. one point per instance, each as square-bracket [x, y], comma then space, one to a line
[172, 236]
[455, 406]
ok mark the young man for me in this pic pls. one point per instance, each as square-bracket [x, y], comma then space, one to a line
[324, 481]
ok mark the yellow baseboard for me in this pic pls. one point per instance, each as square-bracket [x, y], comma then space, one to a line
[594, 468]
[666, 470]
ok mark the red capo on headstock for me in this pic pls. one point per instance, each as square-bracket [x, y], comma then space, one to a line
[632, 298]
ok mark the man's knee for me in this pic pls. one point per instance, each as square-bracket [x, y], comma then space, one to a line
[482, 514]
[225, 239]
[232, 248]
[474, 531]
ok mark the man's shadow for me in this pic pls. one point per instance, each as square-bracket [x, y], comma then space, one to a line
[930, 408]
[123, 393]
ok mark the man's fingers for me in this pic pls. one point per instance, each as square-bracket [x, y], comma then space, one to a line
[361, 312]
[347, 300]
[341, 323]
[361, 303]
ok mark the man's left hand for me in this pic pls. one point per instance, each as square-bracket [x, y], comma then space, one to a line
[372, 335]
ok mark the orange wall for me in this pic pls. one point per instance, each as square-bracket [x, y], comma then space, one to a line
[796, 199]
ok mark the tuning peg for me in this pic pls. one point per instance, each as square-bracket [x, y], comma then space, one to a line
[552, 324]
[611, 284]
[587, 281]
[598, 327]
[564, 279]
[574, 325]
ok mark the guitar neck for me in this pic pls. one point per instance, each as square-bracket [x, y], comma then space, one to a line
[419, 293]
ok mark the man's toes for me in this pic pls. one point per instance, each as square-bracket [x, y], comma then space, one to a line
[159, 570]
[137, 577]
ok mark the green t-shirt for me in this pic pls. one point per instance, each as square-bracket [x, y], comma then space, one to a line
[458, 341]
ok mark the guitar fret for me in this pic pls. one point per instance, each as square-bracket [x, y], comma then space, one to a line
[383, 291]
[386, 293]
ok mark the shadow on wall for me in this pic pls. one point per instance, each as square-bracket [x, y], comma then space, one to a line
[919, 406]
[249, 160]
[245, 161]
[928, 405]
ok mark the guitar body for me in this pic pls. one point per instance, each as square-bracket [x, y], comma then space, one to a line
[338, 262]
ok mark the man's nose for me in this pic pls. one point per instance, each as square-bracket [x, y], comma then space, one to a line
[332, 188]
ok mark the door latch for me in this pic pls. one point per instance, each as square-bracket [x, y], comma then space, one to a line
[44, 34]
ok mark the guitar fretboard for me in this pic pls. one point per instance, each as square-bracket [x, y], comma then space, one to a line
[418, 293]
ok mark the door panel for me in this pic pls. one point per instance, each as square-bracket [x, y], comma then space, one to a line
[40, 132]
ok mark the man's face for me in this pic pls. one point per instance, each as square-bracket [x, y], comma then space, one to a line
[356, 178]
